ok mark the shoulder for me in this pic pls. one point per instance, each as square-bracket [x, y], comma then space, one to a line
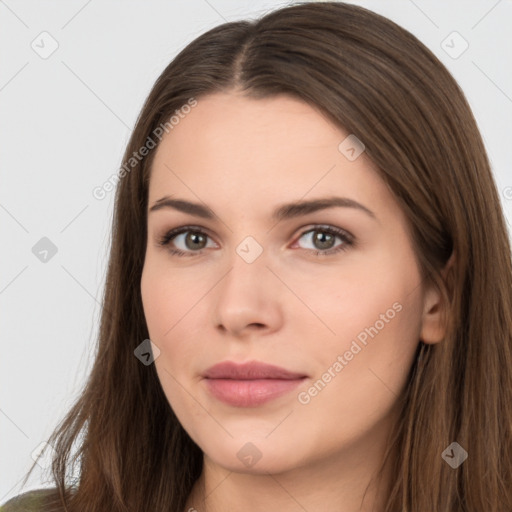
[38, 500]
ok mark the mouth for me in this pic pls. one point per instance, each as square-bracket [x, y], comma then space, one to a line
[250, 384]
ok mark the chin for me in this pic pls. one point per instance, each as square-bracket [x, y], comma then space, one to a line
[252, 455]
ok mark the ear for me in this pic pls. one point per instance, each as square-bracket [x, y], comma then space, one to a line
[435, 311]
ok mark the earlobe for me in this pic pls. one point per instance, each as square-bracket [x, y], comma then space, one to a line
[435, 310]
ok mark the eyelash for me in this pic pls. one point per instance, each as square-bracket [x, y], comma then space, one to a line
[348, 240]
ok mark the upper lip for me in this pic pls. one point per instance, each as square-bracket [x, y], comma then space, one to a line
[249, 371]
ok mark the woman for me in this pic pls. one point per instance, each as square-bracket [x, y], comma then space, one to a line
[308, 301]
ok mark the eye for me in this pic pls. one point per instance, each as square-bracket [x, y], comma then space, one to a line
[191, 240]
[322, 239]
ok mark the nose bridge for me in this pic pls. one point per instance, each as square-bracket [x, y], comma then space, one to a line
[245, 295]
[250, 250]
[248, 264]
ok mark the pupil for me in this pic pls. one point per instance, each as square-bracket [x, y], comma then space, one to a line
[320, 239]
[194, 238]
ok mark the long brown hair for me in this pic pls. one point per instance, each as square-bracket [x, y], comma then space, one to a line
[377, 81]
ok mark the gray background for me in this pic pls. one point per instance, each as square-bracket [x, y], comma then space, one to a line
[65, 122]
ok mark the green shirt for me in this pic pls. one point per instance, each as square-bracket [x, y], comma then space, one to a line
[38, 500]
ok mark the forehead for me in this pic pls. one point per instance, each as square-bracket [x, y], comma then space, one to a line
[257, 151]
[233, 124]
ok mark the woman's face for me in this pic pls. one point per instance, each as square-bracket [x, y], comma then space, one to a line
[249, 285]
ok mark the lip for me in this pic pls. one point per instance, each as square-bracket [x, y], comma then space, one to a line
[250, 384]
[250, 371]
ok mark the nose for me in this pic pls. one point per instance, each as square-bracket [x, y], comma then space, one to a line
[248, 299]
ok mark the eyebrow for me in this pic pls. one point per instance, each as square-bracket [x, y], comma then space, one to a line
[282, 212]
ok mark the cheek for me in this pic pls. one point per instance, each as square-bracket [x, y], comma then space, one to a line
[375, 315]
[166, 300]
[358, 374]
[378, 312]
[155, 302]
[172, 307]
[371, 311]
[166, 303]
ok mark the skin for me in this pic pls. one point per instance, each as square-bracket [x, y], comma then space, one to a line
[242, 158]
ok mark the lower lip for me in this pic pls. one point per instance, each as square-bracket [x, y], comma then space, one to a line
[250, 393]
